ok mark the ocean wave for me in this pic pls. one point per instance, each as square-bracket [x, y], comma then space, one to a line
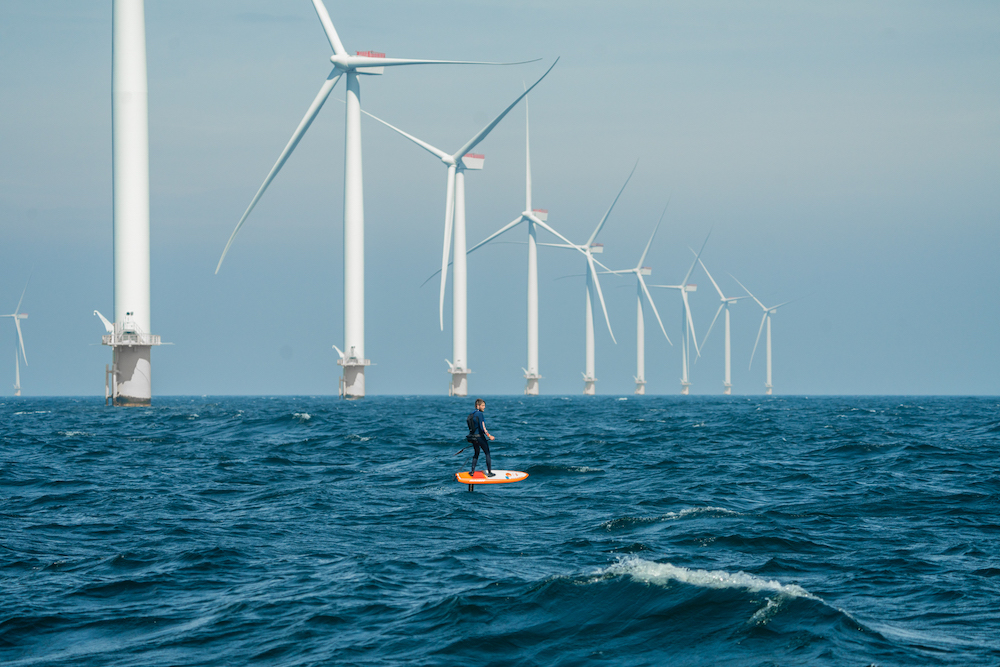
[663, 573]
[629, 521]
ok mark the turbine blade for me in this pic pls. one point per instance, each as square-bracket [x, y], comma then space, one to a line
[721, 306]
[649, 298]
[362, 61]
[597, 284]
[449, 214]
[331, 32]
[20, 339]
[690, 321]
[758, 337]
[423, 144]
[606, 269]
[748, 292]
[597, 230]
[508, 226]
[714, 284]
[549, 229]
[489, 238]
[474, 141]
[527, 159]
[650, 242]
[695, 262]
[317, 104]
[18, 309]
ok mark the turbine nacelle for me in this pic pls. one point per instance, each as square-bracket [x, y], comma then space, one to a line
[473, 161]
[645, 270]
[540, 213]
[365, 62]
[596, 248]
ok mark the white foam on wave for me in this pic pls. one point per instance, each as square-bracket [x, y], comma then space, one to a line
[33, 412]
[661, 574]
[302, 416]
[72, 434]
[669, 516]
[699, 510]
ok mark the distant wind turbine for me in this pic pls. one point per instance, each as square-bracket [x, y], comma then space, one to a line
[689, 337]
[726, 303]
[17, 316]
[640, 327]
[352, 384]
[457, 163]
[768, 312]
[593, 285]
[533, 217]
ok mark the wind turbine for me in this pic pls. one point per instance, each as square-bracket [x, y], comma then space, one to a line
[17, 315]
[689, 337]
[457, 163]
[534, 217]
[593, 285]
[129, 336]
[766, 318]
[641, 289]
[352, 384]
[726, 303]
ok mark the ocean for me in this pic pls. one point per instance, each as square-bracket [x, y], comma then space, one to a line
[651, 531]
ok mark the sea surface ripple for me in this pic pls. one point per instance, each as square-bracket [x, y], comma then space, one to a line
[652, 530]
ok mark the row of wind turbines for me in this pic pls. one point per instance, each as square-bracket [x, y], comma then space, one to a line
[128, 380]
[352, 357]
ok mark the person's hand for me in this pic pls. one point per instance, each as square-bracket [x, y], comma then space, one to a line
[492, 438]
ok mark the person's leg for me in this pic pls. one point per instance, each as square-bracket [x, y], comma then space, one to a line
[475, 457]
[486, 448]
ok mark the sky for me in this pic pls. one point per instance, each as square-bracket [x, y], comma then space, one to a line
[842, 156]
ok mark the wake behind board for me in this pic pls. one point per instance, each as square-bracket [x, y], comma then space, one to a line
[500, 477]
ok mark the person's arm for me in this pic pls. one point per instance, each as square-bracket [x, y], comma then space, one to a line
[487, 432]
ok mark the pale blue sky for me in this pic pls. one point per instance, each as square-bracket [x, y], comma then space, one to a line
[848, 153]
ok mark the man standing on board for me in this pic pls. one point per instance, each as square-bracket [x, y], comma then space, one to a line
[478, 435]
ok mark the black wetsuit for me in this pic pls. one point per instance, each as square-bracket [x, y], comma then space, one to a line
[477, 437]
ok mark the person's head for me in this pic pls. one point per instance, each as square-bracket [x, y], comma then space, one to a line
[480, 404]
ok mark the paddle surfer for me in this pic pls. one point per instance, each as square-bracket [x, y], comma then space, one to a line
[478, 435]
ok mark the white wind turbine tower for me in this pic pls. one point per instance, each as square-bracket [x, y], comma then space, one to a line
[593, 285]
[726, 303]
[534, 217]
[457, 164]
[17, 316]
[641, 290]
[766, 318]
[688, 336]
[352, 384]
[128, 336]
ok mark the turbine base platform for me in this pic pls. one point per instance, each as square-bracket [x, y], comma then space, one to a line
[531, 387]
[459, 382]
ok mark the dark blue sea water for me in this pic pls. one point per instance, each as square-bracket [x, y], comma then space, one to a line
[652, 530]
